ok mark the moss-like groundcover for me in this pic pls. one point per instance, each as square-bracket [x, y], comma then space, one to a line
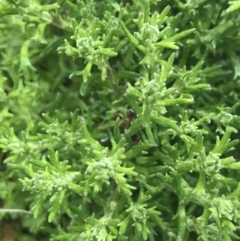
[119, 120]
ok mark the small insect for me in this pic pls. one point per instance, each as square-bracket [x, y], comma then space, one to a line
[126, 120]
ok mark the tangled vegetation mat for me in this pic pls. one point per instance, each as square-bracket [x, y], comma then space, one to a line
[119, 120]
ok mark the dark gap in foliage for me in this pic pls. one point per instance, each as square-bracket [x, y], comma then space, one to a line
[194, 209]
[191, 178]
[193, 236]
[3, 156]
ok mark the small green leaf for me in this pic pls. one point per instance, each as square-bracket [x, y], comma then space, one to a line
[162, 15]
[124, 224]
[54, 158]
[134, 92]
[58, 199]
[181, 35]
[131, 38]
[235, 5]
[167, 44]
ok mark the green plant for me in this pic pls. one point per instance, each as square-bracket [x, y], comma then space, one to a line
[119, 119]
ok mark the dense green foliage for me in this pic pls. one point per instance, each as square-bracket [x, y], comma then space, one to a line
[119, 119]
